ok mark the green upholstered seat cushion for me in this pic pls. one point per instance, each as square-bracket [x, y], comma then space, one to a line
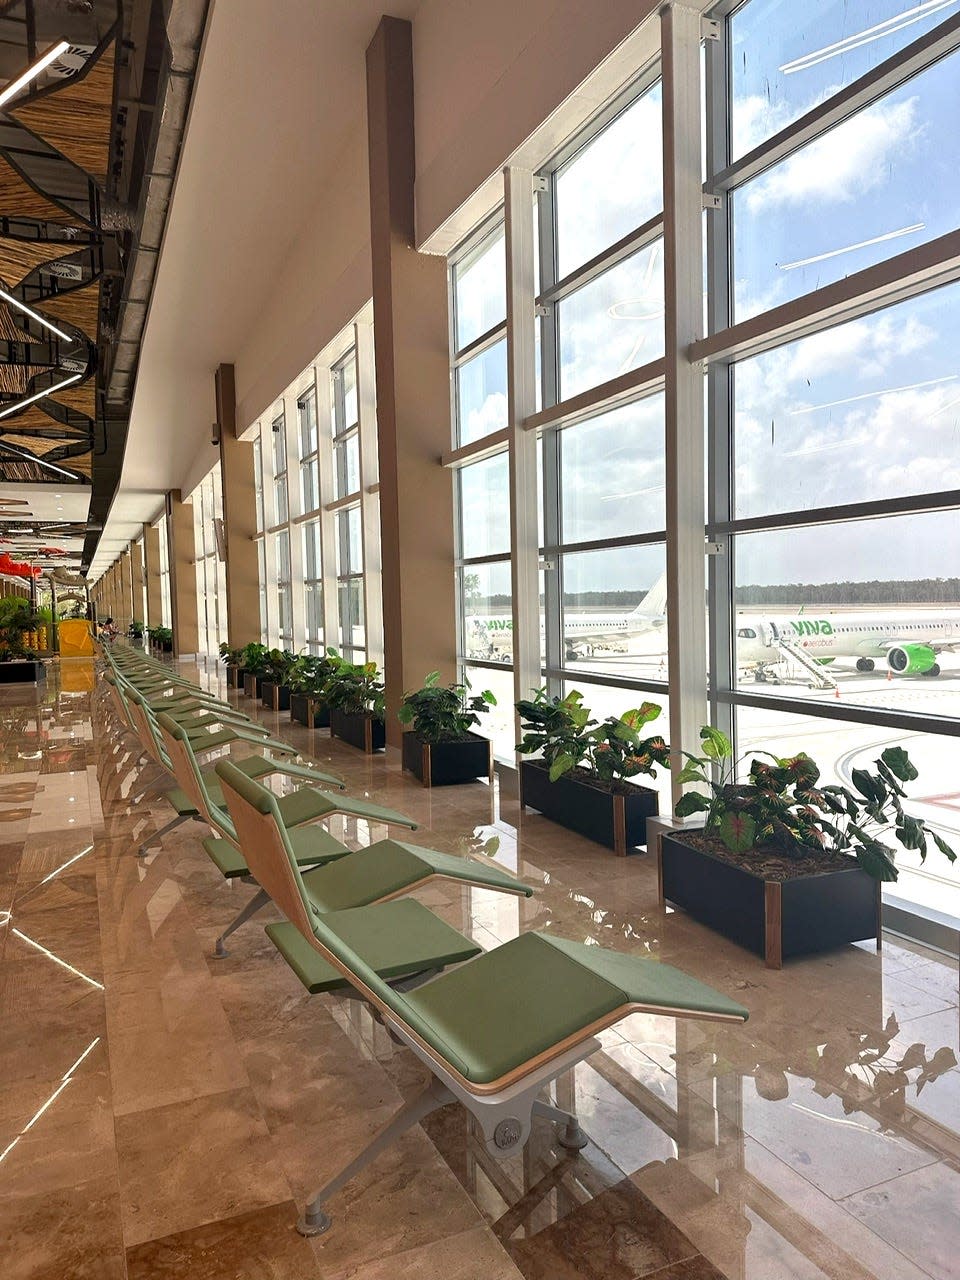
[390, 866]
[180, 801]
[405, 938]
[312, 846]
[506, 1007]
[307, 805]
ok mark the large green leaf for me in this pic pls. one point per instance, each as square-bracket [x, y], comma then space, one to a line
[691, 772]
[692, 802]
[943, 847]
[562, 764]
[716, 745]
[737, 831]
[868, 785]
[877, 860]
[897, 760]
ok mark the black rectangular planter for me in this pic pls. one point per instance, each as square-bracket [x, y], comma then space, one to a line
[252, 684]
[275, 696]
[308, 711]
[440, 764]
[363, 732]
[617, 821]
[776, 919]
[21, 671]
[233, 676]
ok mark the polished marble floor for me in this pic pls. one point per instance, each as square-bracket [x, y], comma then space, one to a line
[163, 1113]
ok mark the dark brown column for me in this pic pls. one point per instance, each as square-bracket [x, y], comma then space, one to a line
[239, 518]
[413, 389]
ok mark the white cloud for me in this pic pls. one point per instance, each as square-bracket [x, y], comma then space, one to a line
[844, 164]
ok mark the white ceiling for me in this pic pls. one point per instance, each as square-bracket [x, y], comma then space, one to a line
[46, 502]
[280, 87]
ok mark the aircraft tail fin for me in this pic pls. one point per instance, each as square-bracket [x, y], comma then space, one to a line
[654, 603]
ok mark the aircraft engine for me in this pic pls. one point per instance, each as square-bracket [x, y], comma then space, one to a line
[911, 659]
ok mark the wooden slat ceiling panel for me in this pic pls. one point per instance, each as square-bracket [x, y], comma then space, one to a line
[39, 445]
[82, 398]
[19, 257]
[10, 331]
[79, 307]
[76, 119]
[19, 200]
[15, 378]
[83, 464]
[33, 419]
[15, 470]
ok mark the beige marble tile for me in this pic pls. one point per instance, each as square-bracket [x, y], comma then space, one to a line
[469, 1255]
[73, 1232]
[917, 1214]
[192, 1163]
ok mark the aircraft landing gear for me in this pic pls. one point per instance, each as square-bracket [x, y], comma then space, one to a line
[865, 664]
[933, 671]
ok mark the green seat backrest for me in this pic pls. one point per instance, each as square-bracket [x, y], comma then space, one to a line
[188, 774]
[145, 726]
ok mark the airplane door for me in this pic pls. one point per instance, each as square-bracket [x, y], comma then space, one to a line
[771, 634]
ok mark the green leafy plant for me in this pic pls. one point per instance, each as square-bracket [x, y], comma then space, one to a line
[356, 690]
[135, 630]
[277, 666]
[310, 673]
[781, 806]
[443, 713]
[254, 657]
[562, 732]
[163, 636]
[230, 657]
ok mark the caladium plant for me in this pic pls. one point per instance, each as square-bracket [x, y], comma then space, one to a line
[783, 806]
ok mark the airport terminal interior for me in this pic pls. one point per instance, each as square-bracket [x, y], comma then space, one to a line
[479, 640]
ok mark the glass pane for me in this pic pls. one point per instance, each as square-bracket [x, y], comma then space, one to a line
[349, 545]
[486, 604]
[311, 550]
[350, 410]
[351, 613]
[785, 58]
[310, 484]
[613, 324]
[866, 411]
[866, 610]
[839, 748]
[614, 611]
[612, 473]
[347, 465]
[498, 723]
[611, 186]
[878, 184]
[262, 566]
[283, 557]
[307, 409]
[279, 438]
[485, 507]
[258, 480]
[480, 289]
[313, 610]
[280, 499]
[482, 393]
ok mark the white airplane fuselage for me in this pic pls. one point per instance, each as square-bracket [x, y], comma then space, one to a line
[906, 644]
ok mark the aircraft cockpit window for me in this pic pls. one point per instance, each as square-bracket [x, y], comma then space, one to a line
[747, 633]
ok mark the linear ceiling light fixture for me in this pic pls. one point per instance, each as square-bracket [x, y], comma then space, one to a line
[41, 462]
[38, 395]
[31, 73]
[11, 301]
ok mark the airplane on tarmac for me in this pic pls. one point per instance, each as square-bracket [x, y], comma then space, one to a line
[490, 636]
[906, 646]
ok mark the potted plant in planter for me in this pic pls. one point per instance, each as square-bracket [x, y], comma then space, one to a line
[233, 661]
[274, 681]
[254, 661]
[582, 778]
[162, 638]
[782, 865]
[354, 694]
[441, 747]
[308, 680]
[135, 630]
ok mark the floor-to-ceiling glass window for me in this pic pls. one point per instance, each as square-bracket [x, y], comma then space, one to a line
[835, 426]
[478, 314]
[166, 610]
[207, 501]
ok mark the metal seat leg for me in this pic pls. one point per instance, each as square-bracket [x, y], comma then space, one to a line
[258, 901]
